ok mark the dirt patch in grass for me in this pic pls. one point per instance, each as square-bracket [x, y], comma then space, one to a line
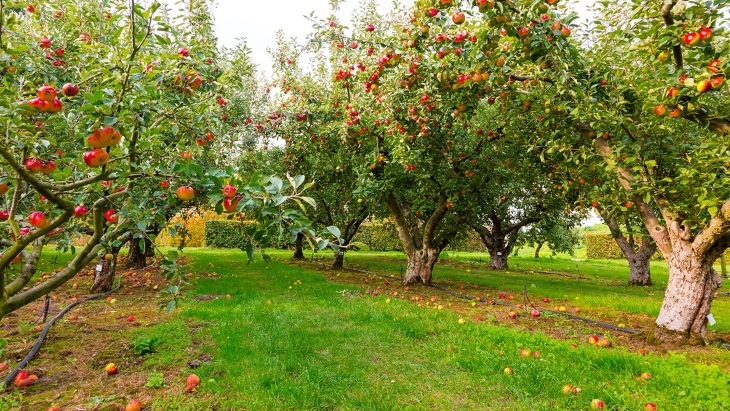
[553, 325]
[70, 365]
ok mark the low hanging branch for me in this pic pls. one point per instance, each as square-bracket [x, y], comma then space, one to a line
[44, 333]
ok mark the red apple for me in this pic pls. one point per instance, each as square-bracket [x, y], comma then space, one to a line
[70, 90]
[38, 104]
[96, 158]
[676, 112]
[525, 353]
[185, 193]
[48, 167]
[4, 215]
[130, 319]
[597, 404]
[111, 368]
[46, 93]
[54, 106]
[133, 405]
[3, 188]
[660, 110]
[523, 32]
[111, 216]
[717, 82]
[80, 211]
[231, 204]
[705, 34]
[714, 66]
[703, 86]
[54, 408]
[30, 8]
[649, 407]
[45, 43]
[546, 300]
[691, 38]
[512, 315]
[191, 382]
[164, 184]
[593, 339]
[183, 52]
[535, 313]
[458, 18]
[370, 27]
[569, 389]
[33, 165]
[229, 191]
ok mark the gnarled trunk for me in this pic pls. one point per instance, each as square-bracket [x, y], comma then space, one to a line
[339, 261]
[498, 259]
[104, 273]
[687, 300]
[420, 266]
[137, 258]
[639, 269]
[298, 250]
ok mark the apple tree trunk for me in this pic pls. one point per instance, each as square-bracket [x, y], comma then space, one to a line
[137, 257]
[639, 269]
[339, 260]
[104, 273]
[687, 300]
[298, 249]
[420, 266]
[537, 250]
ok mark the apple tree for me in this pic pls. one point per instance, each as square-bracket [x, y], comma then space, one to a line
[640, 97]
[107, 128]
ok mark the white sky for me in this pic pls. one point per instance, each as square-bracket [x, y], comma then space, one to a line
[258, 21]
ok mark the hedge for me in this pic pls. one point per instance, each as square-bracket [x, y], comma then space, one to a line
[381, 235]
[226, 233]
[603, 246]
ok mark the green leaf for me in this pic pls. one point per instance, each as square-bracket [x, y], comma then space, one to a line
[334, 231]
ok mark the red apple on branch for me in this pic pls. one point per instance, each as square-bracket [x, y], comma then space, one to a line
[185, 193]
[80, 211]
[96, 158]
[111, 216]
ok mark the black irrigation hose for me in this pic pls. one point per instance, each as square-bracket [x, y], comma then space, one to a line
[602, 324]
[44, 333]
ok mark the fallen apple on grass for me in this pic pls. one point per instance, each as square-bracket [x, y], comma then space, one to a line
[133, 405]
[111, 369]
[598, 404]
[191, 382]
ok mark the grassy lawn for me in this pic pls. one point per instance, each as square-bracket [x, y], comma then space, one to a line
[601, 285]
[285, 337]
[289, 339]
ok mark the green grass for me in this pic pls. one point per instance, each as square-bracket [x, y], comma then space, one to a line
[317, 348]
[603, 284]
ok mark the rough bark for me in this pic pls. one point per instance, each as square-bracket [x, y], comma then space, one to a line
[498, 260]
[339, 260]
[638, 255]
[137, 258]
[421, 246]
[104, 278]
[420, 266]
[639, 270]
[537, 250]
[298, 249]
[687, 301]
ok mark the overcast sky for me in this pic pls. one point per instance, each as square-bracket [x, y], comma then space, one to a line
[258, 21]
